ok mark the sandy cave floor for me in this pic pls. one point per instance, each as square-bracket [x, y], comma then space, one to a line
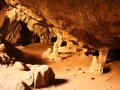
[71, 73]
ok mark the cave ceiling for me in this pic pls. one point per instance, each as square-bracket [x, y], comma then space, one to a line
[92, 22]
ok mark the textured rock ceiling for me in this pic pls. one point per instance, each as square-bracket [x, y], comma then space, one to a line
[93, 22]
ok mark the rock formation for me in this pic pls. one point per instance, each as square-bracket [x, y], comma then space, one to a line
[95, 23]
[96, 66]
[39, 76]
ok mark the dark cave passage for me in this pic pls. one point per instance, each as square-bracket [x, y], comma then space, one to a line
[26, 35]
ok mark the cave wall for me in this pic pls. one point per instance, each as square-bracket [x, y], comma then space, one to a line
[2, 4]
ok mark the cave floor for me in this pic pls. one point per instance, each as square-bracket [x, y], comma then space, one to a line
[72, 72]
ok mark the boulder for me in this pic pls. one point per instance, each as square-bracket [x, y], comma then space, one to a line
[43, 76]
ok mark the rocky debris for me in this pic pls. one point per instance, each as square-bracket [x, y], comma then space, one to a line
[19, 66]
[96, 67]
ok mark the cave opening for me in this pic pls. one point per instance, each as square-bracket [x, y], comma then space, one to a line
[27, 36]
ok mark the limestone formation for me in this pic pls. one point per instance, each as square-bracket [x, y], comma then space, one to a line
[63, 44]
[98, 63]
[103, 55]
[96, 67]
[54, 55]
